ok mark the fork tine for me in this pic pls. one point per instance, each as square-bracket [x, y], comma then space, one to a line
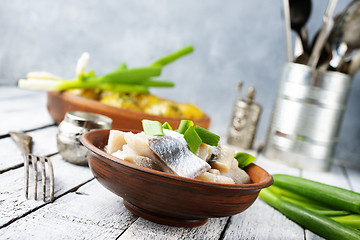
[26, 167]
[43, 177]
[35, 173]
[51, 173]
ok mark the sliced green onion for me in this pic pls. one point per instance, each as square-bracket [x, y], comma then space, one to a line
[192, 138]
[336, 197]
[244, 159]
[167, 126]
[184, 125]
[207, 137]
[152, 128]
[317, 223]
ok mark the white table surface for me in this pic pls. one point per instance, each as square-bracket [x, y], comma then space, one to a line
[84, 209]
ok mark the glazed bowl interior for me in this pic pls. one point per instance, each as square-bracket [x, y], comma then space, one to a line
[166, 198]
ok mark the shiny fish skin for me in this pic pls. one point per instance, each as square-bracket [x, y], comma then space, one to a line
[175, 154]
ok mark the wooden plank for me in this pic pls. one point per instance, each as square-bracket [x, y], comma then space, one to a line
[44, 143]
[13, 92]
[22, 102]
[274, 167]
[335, 177]
[144, 229]
[261, 221]
[354, 179]
[24, 113]
[272, 223]
[12, 199]
[24, 120]
[92, 212]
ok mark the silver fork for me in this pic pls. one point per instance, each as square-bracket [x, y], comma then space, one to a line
[24, 141]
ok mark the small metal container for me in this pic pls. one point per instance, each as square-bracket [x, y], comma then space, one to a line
[307, 117]
[244, 121]
[74, 125]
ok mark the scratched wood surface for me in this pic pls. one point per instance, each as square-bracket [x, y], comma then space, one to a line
[84, 209]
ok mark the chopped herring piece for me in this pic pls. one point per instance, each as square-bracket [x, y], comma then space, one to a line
[176, 157]
[214, 171]
[211, 177]
[116, 141]
[204, 152]
[237, 174]
[223, 158]
[130, 156]
[137, 142]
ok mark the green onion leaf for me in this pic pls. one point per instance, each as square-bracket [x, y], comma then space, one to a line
[121, 67]
[244, 159]
[184, 125]
[167, 126]
[152, 128]
[192, 139]
[134, 75]
[173, 56]
[207, 137]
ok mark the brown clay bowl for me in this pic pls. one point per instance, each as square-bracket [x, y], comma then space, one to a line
[169, 199]
[58, 103]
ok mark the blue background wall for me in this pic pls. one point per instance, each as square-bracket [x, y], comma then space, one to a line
[234, 40]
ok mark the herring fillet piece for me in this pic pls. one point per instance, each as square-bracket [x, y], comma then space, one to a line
[176, 155]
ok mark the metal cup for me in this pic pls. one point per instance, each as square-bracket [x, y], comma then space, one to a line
[74, 125]
[307, 116]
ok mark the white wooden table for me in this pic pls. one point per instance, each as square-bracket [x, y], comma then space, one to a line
[83, 209]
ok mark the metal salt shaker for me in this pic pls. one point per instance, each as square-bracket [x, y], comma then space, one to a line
[244, 120]
[70, 130]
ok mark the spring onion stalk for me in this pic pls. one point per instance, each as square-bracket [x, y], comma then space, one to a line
[135, 75]
[336, 197]
[192, 138]
[167, 126]
[317, 223]
[184, 125]
[306, 202]
[244, 159]
[173, 56]
[207, 137]
[152, 128]
[121, 67]
[352, 220]
[122, 79]
[323, 211]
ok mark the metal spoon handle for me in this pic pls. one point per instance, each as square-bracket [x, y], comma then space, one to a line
[286, 9]
[319, 44]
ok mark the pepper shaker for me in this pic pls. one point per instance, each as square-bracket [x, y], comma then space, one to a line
[70, 130]
[244, 120]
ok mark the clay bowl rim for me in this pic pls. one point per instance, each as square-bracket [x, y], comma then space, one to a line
[72, 98]
[266, 182]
